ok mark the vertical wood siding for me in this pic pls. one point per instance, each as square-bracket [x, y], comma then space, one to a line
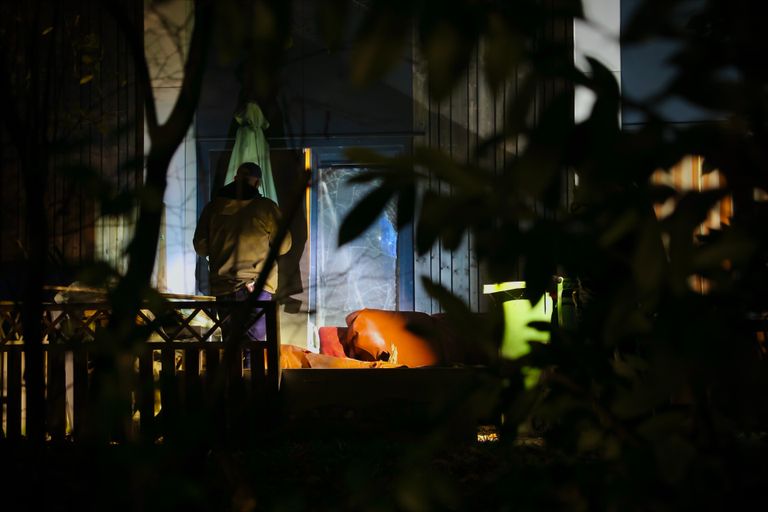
[98, 124]
[456, 125]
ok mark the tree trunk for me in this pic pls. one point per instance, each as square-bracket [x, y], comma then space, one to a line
[127, 297]
[32, 309]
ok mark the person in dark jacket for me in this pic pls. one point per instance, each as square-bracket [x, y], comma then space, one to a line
[236, 232]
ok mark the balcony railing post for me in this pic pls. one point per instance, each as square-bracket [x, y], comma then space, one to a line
[13, 398]
[273, 348]
[56, 391]
[146, 394]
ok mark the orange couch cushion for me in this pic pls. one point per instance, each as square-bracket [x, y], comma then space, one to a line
[331, 341]
[403, 337]
[292, 357]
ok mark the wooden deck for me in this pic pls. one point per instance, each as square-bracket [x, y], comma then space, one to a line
[183, 382]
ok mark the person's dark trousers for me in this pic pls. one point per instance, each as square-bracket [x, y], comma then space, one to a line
[257, 330]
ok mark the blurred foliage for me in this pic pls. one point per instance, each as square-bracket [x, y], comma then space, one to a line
[660, 386]
[656, 400]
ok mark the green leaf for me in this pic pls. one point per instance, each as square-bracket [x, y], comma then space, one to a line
[658, 194]
[449, 35]
[675, 454]
[467, 180]
[707, 166]
[396, 172]
[364, 214]
[540, 251]
[606, 107]
[154, 300]
[86, 177]
[365, 156]
[732, 246]
[406, 202]
[504, 49]
[651, 18]
[121, 204]
[650, 261]
[690, 212]
[693, 209]
[538, 272]
[589, 440]
[332, 20]
[379, 44]
[438, 219]
[471, 327]
[540, 325]
[518, 112]
[150, 198]
[97, 274]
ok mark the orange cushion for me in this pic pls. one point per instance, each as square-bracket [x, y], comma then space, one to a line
[402, 337]
[330, 362]
[292, 356]
[330, 341]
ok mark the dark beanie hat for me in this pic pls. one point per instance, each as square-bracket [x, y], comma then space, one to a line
[249, 169]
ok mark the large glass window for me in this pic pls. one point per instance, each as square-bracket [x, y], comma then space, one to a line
[362, 273]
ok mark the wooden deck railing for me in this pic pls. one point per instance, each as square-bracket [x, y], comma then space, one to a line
[178, 377]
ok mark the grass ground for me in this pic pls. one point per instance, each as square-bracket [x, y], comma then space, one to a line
[284, 473]
[279, 475]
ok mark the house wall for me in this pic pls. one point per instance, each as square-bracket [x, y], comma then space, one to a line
[647, 71]
[596, 36]
[93, 112]
[315, 106]
[102, 120]
[120, 161]
[456, 125]
[167, 32]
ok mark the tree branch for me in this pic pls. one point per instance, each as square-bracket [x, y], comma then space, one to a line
[134, 38]
[184, 110]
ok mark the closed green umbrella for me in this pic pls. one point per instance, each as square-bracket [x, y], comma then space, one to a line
[251, 146]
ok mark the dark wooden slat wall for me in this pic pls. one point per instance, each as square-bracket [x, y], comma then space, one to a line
[100, 123]
[456, 125]
[560, 32]
[12, 204]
